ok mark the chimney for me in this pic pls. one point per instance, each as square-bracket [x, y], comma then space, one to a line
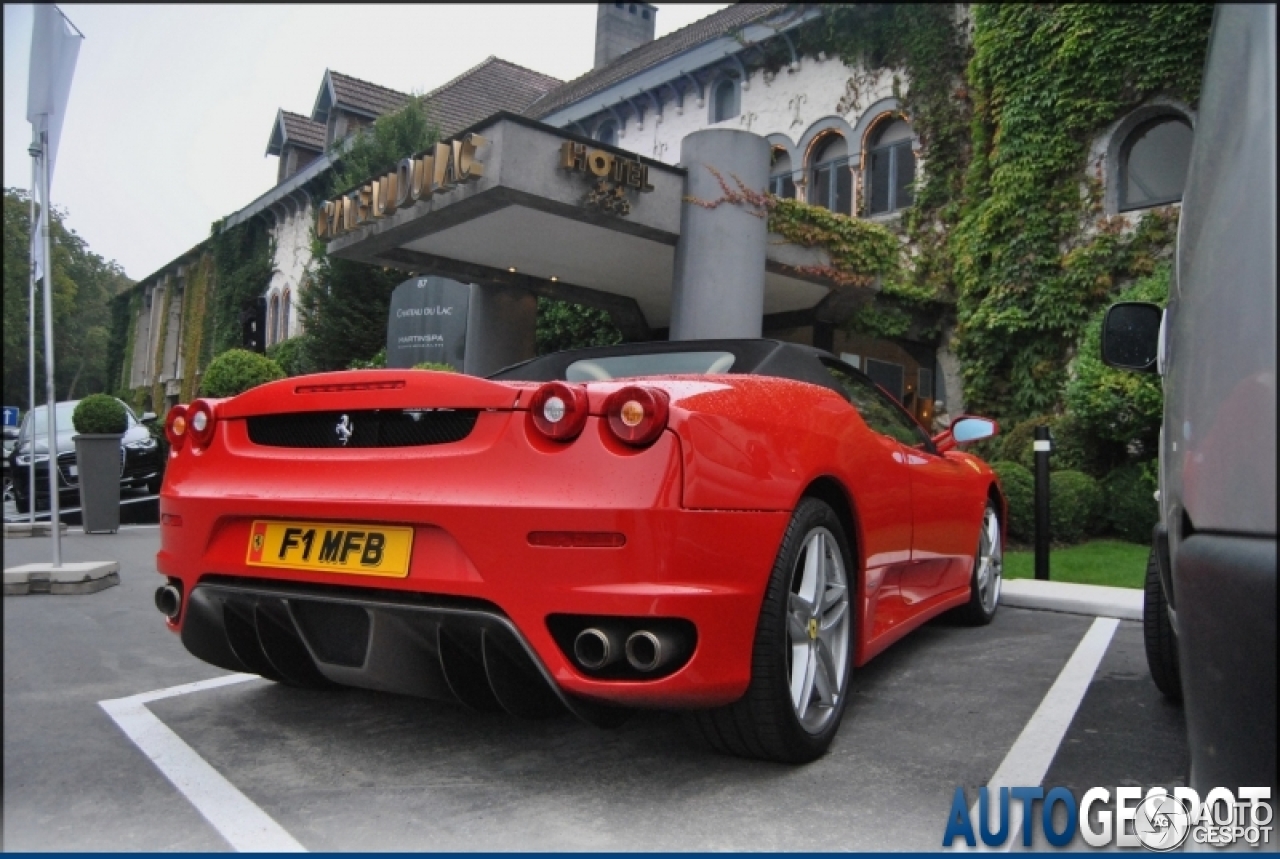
[620, 27]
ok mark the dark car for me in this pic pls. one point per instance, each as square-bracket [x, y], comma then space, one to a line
[1211, 584]
[141, 457]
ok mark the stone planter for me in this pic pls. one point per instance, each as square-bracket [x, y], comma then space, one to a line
[99, 465]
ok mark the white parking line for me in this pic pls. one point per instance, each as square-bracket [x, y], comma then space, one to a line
[1032, 753]
[245, 826]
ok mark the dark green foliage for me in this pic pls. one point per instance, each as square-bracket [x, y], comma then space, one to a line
[1045, 79]
[236, 371]
[435, 365]
[243, 259]
[377, 362]
[1075, 506]
[563, 325]
[1129, 504]
[1020, 493]
[1118, 407]
[83, 286]
[345, 305]
[293, 356]
[100, 413]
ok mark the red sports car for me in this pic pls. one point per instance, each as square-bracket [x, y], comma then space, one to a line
[724, 526]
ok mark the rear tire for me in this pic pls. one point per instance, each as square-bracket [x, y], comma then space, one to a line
[1161, 642]
[988, 573]
[803, 649]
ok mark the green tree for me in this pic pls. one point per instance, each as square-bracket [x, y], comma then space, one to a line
[83, 286]
[564, 325]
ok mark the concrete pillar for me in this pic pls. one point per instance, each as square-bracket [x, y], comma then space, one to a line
[501, 324]
[718, 285]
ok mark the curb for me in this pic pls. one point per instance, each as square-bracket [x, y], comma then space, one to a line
[26, 529]
[1069, 598]
[78, 578]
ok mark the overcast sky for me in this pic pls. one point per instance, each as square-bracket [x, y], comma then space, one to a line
[171, 107]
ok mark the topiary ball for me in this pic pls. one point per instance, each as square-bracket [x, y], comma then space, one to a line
[1075, 506]
[1020, 493]
[236, 371]
[100, 414]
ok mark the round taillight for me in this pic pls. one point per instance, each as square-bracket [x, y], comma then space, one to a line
[559, 411]
[637, 415]
[200, 421]
[175, 427]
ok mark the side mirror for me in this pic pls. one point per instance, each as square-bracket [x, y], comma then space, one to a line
[963, 430]
[1131, 336]
[147, 417]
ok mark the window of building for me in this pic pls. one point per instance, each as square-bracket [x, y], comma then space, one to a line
[284, 315]
[830, 182]
[780, 182]
[1153, 163]
[890, 169]
[724, 100]
[273, 320]
[607, 132]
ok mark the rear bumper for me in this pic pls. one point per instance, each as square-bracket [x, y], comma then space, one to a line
[472, 510]
[1226, 587]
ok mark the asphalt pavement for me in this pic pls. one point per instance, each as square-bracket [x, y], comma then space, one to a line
[355, 770]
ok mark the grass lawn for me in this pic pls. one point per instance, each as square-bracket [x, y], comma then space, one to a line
[1101, 562]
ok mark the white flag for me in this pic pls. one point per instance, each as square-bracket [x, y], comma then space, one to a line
[55, 44]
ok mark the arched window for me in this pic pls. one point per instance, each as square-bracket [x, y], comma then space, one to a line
[830, 182]
[1153, 163]
[607, 132]
[284, 315]
[724, 100]
[890, 168]
[780, 182]
[273, 320]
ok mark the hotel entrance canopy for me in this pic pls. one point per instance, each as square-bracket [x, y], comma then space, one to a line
[512, 202]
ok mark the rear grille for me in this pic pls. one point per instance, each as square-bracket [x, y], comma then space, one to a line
[370, 428]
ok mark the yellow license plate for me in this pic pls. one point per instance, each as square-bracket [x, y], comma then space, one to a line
[366, 550]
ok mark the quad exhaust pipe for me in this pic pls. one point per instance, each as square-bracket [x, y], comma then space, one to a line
[597, 648]
[169, 601]
[648, 650]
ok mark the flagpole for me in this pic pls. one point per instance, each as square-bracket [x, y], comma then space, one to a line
[31, 363]
[55, 518]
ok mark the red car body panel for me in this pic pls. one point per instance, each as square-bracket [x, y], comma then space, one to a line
[703, 511]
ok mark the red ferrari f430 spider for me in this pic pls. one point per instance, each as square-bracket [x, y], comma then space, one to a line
[728, 527]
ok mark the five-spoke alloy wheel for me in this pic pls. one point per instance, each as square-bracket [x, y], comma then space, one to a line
[802, 655]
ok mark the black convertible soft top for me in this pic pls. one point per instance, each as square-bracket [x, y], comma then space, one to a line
[751, 357]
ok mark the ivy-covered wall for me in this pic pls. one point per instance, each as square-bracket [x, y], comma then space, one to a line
[1007, 241]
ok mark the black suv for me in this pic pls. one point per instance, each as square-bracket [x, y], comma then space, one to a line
[141, 457]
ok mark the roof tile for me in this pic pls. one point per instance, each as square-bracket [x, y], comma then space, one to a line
[651, 53]
[363, 96]
[482, 91]
[303, 130]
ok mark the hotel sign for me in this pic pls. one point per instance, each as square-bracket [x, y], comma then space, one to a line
[613, 174]
[439, 169]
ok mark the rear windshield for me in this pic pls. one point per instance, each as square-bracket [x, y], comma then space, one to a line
[660, 364]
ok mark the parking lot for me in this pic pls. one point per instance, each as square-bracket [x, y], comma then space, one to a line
[354, 770]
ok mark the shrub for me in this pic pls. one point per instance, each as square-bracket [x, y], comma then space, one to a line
[1118, 406]
[1075, 448]
[377, 362]
[236, 371]
[1019, 492]
[1129, 504]
[99, 413]
[433, 365]
[1075, 505]
[1017, 445]
[293, 356]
